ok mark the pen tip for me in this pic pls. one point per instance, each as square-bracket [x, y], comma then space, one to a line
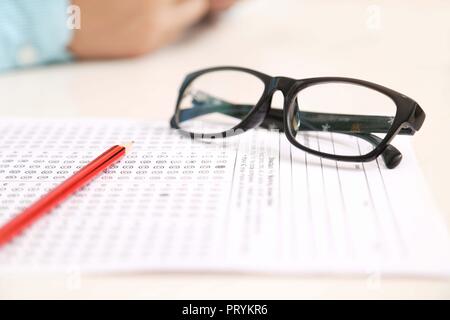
[128, 145]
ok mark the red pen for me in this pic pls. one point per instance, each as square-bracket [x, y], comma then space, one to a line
[62, 192]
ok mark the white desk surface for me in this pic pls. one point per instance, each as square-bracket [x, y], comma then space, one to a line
[407, 49]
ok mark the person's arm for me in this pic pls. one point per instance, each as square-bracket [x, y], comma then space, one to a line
[120, 29]
[33, 32]
[36, 32]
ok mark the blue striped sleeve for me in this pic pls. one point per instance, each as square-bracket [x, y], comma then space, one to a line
[33, 32]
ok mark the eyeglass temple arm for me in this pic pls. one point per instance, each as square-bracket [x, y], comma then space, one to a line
[204, 103]
[391, 155]
[342, 123]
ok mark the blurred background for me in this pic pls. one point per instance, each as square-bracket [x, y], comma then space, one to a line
[401, 44]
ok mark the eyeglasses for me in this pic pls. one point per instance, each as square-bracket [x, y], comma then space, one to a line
[336, 118]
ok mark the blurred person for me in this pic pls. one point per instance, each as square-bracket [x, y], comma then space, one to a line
[34, 32]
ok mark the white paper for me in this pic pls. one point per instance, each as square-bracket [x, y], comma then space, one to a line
[248, 203]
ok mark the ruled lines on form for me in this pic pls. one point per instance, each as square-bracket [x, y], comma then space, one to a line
[251, 203]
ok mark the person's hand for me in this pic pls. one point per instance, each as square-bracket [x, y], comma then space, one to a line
[126, 28]
[220, 5]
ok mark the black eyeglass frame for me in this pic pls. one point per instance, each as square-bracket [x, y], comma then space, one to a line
[408, 118]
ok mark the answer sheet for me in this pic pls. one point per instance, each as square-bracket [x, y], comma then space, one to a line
[250, 203]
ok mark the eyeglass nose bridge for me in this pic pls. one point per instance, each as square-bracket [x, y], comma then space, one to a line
[284, 84]
[266, 116]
